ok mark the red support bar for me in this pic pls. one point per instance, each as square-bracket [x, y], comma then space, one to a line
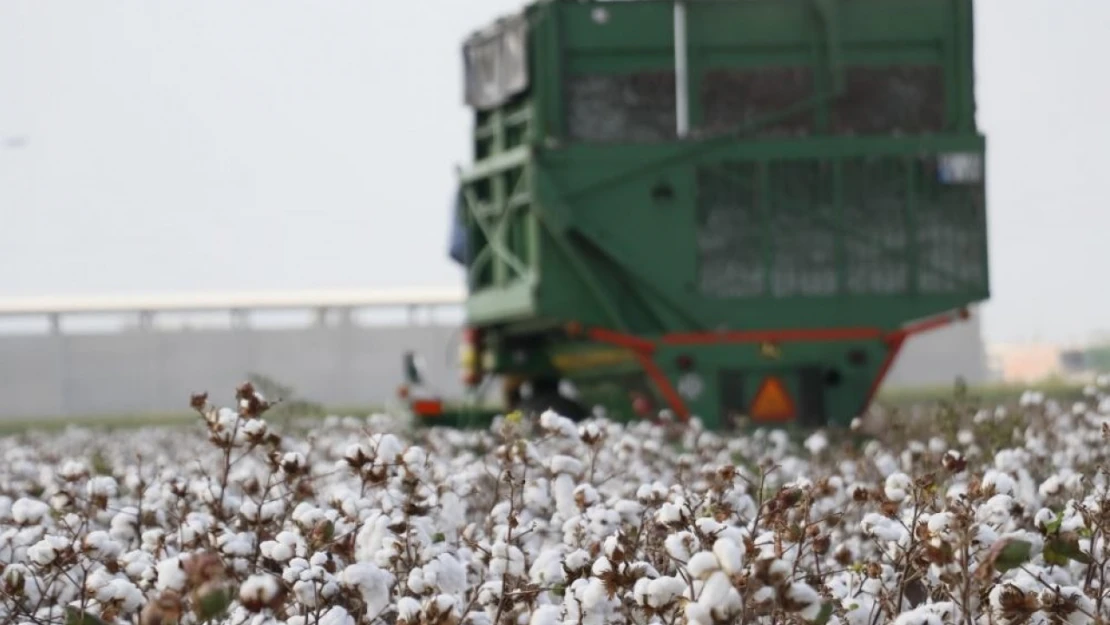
[933, 323]
[894, 347]
[772, 336]
[664, 385]
[622, 340]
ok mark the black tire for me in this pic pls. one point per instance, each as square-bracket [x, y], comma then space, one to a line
[537, 404]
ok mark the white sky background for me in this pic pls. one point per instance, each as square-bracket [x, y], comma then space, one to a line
[220, 145]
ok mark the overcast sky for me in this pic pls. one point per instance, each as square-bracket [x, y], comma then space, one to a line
[219, 145]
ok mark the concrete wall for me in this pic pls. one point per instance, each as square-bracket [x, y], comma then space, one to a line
[69, 375]
[134, 372]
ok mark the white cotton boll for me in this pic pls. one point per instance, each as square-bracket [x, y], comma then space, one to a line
[278, 552]
[640, 591]
[171, 574]
[898, 486]
[125, 525]
[802, 593]
[546, 614]
[669, 514]
[249, 510]
[46, 551]
[702, 564]
[965, 437]
[507, 560]
[595, 597]
[450, 574]
[938, 445]
[920, 615]
[601, 566]
[729, 556]
[996, 510]
[537, 495]
[123, 591]
[587, 493]
[566, 464]
[1075, 482]
[708, 526]
[558, 424]
[241, 545]
[306, 592]
[610, 546]
[720, 597]
[307, 514]
[418, 582]
[563, 492]
[387, 447]
[887, 464]
[941, 523]
[28, 511]
[336, 616]
[261, 588]
[1043, 518]
[629, 510]
[881, 527]
[372, 583]
[1002, 482]
[100, 545]
[73, 470]
[663, 591]
[578, 560]
[817, 443]
[98, 579]
[408, 609]
[698, 614]
[356, 451]
[681, 545]
[102, 486]
[1051, 487]
[546, 570]
[271, 510]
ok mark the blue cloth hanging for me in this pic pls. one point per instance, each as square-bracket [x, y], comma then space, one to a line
[458, 248]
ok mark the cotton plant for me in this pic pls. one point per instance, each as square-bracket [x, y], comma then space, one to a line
[989, 515]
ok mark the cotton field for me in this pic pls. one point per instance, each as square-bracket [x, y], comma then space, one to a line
[990, 516]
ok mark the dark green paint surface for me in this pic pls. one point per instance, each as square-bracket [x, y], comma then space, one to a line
[809, 193]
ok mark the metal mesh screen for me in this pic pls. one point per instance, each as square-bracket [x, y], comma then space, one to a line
[950, 224]
[803, 235]
[884, 100]
[634, 107]
[732, 98]
[730, 235]
[875, 245]
[788, 237]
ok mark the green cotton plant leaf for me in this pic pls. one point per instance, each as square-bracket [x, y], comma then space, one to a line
[1012, 554]
[213, 604]
[1058, 550]
[824, 615]
[79, 617]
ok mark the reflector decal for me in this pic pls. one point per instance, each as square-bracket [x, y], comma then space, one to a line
[772, 402]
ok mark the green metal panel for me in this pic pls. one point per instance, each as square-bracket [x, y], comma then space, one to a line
[820, 185]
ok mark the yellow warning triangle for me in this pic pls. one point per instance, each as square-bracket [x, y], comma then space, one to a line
[772, 402]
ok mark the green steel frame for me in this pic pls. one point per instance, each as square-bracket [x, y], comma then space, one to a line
[600, 229]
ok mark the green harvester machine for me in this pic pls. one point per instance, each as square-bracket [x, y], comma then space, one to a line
[734, 210]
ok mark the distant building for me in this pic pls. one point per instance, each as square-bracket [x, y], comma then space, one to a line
[1026, 363]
